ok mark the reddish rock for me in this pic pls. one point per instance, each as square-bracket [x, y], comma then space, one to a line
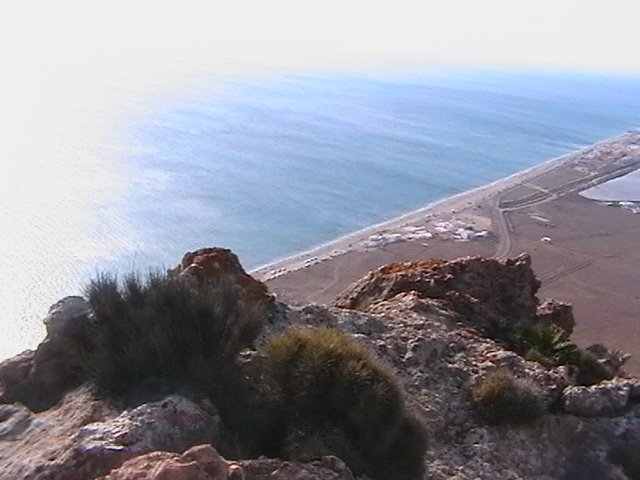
[492, 294]
[220, 264]
[201, 462]
[220, 270]
[140, 468]
[173, 424]
[15, 377]
[412, 321]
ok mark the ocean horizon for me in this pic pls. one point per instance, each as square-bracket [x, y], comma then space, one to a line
[270, 165]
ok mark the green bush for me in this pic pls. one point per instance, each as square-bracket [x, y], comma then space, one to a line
[590, 370]
[550, 346]
[338, 399]
[162, 329]
[500, 398]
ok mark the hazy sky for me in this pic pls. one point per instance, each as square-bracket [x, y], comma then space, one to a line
[567, 34]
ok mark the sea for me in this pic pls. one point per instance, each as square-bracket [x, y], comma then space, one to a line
[125, 178]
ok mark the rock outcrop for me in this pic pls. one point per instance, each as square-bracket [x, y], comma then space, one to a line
[85, 438]
[439, 366]
[39, 379]
[493, 295]
[221, 266]
[553, 312]
[433, 324]
[608, 398]
[203, 462]
[221, 272]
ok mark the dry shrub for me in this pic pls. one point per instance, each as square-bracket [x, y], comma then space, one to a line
[339, 399]
[500, 398]
[590, 369]
[163, 329]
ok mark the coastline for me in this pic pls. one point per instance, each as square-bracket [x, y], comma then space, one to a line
[454, 204]
[583, 251]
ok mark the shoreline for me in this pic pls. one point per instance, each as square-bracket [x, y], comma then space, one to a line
[583, 251]
[454, 204]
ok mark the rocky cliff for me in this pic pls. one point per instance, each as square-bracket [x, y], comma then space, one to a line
[443, 329]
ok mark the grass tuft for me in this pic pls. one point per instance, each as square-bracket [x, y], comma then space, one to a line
[500, 398]
[339, 399]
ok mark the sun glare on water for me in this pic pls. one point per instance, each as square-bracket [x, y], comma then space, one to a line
[73, 70]
[63, 184]
[52, 180]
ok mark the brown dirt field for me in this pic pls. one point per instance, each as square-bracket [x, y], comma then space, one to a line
[593, 262]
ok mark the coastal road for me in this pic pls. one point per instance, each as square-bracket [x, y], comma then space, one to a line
[541, 195]
[504, 234]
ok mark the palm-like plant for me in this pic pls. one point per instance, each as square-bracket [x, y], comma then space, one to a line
[547, 344]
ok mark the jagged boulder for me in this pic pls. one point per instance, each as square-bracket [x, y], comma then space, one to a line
[554, 312]
[66, 320]
[173, 424]
[220, 265]
[40, 378]
[221, 272]
[82, 438]
[497, 296]
[427, 321]
[17, 383]
[608, 398]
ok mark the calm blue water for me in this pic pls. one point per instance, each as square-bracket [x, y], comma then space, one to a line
[269, 167]
[266, 165]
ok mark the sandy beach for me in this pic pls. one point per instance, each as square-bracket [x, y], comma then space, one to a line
[585, 251]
